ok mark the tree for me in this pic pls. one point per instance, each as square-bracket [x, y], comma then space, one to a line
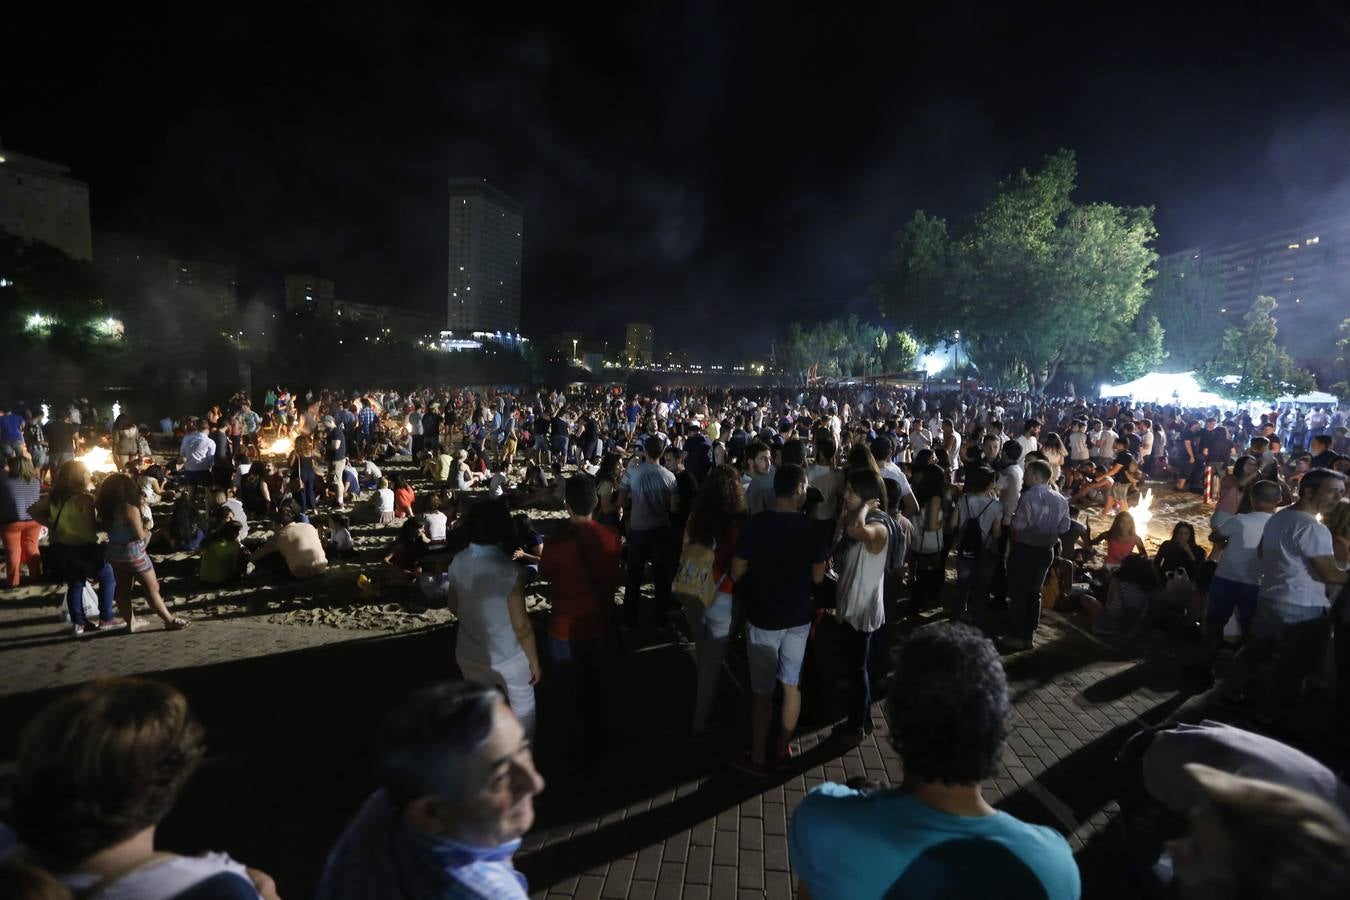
[1146, 343]
[1249, 366]
[899, 350]
[42, 280]
[1187, 299]
[1033, 282]
[1342, 387]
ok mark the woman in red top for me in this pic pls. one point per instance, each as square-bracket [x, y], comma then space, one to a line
[715, 521]
[403, 498]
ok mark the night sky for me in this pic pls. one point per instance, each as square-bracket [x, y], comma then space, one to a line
[715, 172]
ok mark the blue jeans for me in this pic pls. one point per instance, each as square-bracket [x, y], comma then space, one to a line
[107, 589]
[652, 545]
[1027, 568]
[859, 657]
[711, 630]
[582, 669]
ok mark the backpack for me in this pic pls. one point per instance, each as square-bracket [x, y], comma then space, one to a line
[972, 542]
[694, 582]
[897, 541]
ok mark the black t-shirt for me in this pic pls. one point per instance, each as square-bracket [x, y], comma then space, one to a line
[60, 437]
[781, 548]
[558, 427]
[1123, 459]
[431, 428]
[698, 455]
[336, 444]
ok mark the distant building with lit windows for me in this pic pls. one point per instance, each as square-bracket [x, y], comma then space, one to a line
[486, 242]
[1306, 269]
[39, 201]
[310, 293]
[638, 344]
[209, 288]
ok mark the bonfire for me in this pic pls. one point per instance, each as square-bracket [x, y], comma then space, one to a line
[98, 460]
[1142, 513]
[282, 446]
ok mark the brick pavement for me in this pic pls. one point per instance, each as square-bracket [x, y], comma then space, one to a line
[289, 711]
[717, 834]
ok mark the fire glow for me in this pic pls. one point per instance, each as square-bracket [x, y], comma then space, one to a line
[98, 459]
[280, 447]
[1142, 513]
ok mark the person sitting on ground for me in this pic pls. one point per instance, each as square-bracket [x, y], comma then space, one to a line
[187, 526]
[223, 559]
[935, 835]
[1253, 839]
[1130, 596]
[382, 503]
[457, 785]
[96, 772]
[295, 550]
[1121, 540]
[404, 497]
[338, 543]
[434, 521]
[410, 545]
[235, 510]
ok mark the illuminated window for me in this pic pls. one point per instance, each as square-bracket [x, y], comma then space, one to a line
[1313, 240]
[1294, 246]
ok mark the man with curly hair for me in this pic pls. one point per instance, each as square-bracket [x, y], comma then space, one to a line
[934, 836]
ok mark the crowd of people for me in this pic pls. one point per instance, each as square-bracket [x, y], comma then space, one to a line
[762, 520]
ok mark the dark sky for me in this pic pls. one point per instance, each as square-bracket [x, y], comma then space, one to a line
[716, 172]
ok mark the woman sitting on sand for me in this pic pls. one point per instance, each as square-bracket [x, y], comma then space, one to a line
[1121, 541]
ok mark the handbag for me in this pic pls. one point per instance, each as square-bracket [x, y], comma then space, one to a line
[694, 583]
[71, 560]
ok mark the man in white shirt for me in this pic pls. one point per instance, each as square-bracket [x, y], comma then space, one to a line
[1297, 562]
[882, 448]
[198, 453]
[1030, 439]
[1042, 516]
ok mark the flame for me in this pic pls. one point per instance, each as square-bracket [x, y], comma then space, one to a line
[280, 447]
[98, 459]
[1142, 513]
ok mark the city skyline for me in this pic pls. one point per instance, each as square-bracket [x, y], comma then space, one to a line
[716, 200]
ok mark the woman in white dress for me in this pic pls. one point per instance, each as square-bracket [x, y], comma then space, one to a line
[495, 644]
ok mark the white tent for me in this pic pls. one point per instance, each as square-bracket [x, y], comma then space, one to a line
[1315, 398]
[1164, 387]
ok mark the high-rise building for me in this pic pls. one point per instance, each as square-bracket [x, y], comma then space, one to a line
[638, 344]
[310, 293]
[486, 228]
[1306, 269]
[39, 201]
[205, 289]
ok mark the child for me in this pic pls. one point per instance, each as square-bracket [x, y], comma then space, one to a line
[384, 502]
[407, 549]
[1121, 541]
[499, 483]
[339, 543]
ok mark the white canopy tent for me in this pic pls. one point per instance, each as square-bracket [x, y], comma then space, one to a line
[1164, 387]
[1314, 398]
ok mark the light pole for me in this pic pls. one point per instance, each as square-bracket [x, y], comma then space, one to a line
[574, 348]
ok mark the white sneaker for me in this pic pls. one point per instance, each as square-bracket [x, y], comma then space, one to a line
[77, 629]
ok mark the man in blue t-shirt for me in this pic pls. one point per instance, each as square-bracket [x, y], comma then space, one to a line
[934, 836]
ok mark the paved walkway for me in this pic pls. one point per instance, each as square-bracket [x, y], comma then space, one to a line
[290, 712]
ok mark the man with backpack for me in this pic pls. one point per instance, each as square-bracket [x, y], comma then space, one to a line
[978, 516]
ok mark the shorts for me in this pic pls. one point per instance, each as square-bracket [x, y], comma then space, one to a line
[131, 558]
[775, 655]
[1298, 634]
[1225, 596]
[1120, 490]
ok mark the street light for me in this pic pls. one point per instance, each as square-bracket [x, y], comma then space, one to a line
[574, 348]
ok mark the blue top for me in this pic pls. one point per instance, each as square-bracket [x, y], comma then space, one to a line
[11, 428]
[381, 857]
[854, 846]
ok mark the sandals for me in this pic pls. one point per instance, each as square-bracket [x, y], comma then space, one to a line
[177, 623]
